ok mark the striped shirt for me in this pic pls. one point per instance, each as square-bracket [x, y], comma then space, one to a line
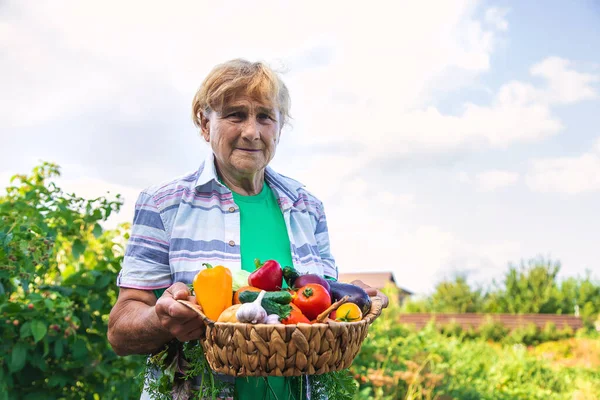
[193, 219]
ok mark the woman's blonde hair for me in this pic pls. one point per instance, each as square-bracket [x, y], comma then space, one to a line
[237, 77]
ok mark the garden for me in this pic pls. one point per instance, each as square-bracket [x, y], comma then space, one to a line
[58, 269]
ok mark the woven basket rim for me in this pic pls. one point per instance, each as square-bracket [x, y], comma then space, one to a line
[374, 313]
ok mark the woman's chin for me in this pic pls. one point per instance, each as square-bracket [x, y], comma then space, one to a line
[248, 167]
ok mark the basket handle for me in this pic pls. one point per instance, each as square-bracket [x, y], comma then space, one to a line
[198, 310]
[375, 311]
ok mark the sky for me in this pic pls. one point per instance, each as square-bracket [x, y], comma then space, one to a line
[443, 138]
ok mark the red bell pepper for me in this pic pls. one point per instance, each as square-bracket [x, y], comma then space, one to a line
[268, 275]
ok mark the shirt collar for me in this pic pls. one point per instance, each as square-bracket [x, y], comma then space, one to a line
[286, 188]
[208, 171]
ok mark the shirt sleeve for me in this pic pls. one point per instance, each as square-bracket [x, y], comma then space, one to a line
[322, 235]
[146, 262]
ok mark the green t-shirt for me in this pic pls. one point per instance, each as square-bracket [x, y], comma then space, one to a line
[264, 236]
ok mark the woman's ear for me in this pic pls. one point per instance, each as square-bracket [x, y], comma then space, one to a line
[205, 126]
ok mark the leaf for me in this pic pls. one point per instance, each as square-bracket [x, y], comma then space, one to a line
[7, 239]
[96, 304]
[58, 348]
[46, 349]
[79, 349]
[49, 304]
[18, 357]
[25, 330]
[39, 330]
[182, 390]
[57, 380]
[10, 308]
[104, 281]
[78, 248]
[24, 246]
[97, 231]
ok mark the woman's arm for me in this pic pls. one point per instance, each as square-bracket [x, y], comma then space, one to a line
[141, 324]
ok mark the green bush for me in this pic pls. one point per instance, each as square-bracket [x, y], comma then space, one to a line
[57, 286]
[452, 329]
[529, 335]
[426, 365]
[492, 330]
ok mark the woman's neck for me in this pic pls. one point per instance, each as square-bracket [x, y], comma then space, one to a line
[246, 185]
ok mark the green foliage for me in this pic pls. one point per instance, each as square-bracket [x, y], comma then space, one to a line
[452, 329]
[57, 274]
[400, 363]
[456, 297]
[492, 330]
[531, 287]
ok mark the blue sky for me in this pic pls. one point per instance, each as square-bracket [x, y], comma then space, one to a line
[443, 137]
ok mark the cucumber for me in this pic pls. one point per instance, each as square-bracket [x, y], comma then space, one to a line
[282, 310]
[273, 302]
[280, 297]
[290, 275]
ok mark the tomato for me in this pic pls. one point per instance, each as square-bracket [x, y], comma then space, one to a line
[312, 300]
[348, 312]
[295, 317]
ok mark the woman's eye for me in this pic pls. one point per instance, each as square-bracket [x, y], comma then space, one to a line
[264, 116]
[236, 115]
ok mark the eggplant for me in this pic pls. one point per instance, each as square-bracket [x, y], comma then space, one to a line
[357, 295]
[295, 280]
[303, 280]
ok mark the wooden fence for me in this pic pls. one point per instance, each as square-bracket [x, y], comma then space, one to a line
[511, 321]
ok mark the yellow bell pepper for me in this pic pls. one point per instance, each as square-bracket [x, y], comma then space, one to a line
[213, 290]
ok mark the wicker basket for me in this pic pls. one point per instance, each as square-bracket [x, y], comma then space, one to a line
[240, 349]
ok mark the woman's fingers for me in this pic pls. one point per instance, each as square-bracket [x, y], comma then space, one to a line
[371, 291]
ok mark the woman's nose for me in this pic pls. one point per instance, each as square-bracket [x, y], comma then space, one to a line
[251, 130]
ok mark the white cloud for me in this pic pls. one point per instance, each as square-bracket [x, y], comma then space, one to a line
[570, 175]
[520, 112]
[404, 201]
[72, 62]
[463, 177]
[492, 180]
[565, 85]
[497, 17]
[596, 147]
[418, 256]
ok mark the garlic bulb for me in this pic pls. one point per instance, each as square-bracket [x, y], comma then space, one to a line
[252, 312]
[272, 319]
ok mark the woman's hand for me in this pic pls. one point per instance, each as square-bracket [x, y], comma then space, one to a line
[181, 322]
[371, 291]
[141, 324]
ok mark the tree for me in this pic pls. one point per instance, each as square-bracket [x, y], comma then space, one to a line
[57, 272]
[529, 288]
[450, 296]
[456, 296]
[582, 293]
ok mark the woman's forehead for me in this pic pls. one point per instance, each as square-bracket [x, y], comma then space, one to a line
[245, 100]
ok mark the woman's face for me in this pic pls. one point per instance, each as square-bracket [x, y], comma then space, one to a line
[243, 135]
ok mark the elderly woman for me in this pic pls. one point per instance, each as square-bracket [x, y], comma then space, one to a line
[230, 211]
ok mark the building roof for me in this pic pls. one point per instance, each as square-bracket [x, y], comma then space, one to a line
[374, 279]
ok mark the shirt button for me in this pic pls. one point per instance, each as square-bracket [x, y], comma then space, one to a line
[231, 209]
[231, 243]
